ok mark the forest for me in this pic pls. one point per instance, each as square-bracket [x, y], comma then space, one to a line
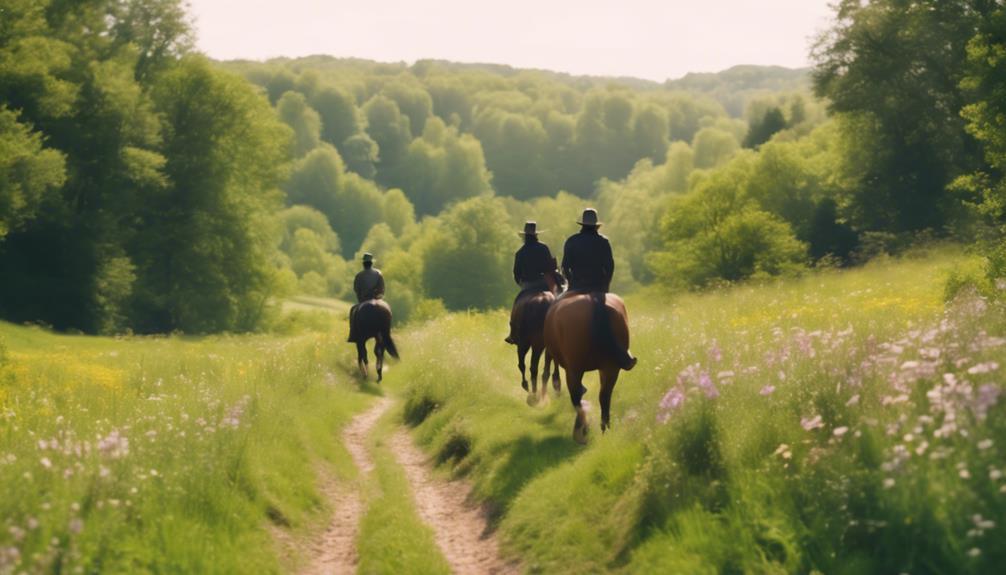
[812, 262]
[145, 188]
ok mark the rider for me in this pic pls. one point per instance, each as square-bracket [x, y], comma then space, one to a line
[530, 264]
[368, 285]
[589, 265]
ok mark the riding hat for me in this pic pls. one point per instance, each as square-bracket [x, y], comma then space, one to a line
[589, 218]
[368, 257]
[530, 229]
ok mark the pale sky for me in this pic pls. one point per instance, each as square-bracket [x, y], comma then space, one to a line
[642, 38]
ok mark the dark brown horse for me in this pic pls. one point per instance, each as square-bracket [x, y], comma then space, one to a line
[373, 320]
[529, 312]
[580, 339]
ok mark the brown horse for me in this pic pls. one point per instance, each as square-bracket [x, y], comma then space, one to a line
[373, 320]
[529, 312]
[580, 339]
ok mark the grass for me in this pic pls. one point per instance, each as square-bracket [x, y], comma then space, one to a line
[164, 454]
[846, 422]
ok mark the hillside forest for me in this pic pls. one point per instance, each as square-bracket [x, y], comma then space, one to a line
[145, 188]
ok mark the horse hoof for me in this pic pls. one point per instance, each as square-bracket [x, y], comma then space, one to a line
[580, 434]
[524, 385]
[532, 399]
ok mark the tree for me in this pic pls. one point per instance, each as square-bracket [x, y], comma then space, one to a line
[390, 129]
[361, 154]
[985, 83]
[203, 262]
[28, 171]
[294, 111]
[894, 69]
[468, 263]
[338, 115]
[716, 232]
[413, 101]
[713, 146]
[762, 130]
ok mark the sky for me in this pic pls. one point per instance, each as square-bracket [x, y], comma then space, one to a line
[649, 39]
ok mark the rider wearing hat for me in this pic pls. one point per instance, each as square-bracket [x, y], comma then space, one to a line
[586, 260]
[589, 265]
[368, 285]
[530, 264]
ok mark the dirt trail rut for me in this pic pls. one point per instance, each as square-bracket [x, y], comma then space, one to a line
[461, 531]
[334, 551]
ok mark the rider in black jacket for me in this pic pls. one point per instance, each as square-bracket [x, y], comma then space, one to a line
[531, 262]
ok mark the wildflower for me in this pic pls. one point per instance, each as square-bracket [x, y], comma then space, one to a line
[840, 431]
[964, 474]
[974, 552]
[995, 474]
[888, 483]
[810, 423]
[76, 525]
[671, 401]
[984, 444]
[852, 400]
[45, 462]
[783, 451]
[986, 367]
[114, 445]
[715, 354]
[767, 390]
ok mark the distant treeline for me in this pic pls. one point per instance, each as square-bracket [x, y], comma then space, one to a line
[143, 187]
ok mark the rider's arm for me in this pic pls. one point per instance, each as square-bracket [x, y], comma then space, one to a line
[609, 262]
[567, 261]
[379, 290]
[516, 268]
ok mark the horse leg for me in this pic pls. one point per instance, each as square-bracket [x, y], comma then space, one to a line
[521, 353]
[574, 383]
[532, 397]
[556, 382]
[379, 352]
[609, 376]
[361, 357]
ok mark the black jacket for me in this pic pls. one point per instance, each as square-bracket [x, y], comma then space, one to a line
[531, 262]
[369, 284]
[587, 261]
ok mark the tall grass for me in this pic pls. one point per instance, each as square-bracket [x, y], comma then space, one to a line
[163, 454]
[847, 422]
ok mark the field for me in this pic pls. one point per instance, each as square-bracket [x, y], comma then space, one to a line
[845, 422]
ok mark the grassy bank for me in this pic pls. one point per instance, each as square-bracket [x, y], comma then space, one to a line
[846, 422]
[164, 454]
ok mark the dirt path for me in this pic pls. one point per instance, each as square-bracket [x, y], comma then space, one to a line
[461, 531]
[334, 551]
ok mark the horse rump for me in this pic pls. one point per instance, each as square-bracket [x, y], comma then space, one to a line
[603, 332]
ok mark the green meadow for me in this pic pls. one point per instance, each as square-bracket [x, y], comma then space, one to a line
[843, 422]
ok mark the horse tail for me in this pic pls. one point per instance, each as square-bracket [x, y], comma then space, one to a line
[604, 333]
[389, 344]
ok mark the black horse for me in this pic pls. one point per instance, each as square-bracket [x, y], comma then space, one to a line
[373, 320]
[528, 316]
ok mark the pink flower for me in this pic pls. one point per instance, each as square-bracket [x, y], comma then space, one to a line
[811, 423]
[767, 390]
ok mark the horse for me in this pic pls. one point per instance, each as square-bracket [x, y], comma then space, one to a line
[586, 332]
[530, 310]
[373, 320]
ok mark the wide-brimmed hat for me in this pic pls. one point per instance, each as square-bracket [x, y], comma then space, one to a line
[530, 229]
[368, 257]
[589, 218]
